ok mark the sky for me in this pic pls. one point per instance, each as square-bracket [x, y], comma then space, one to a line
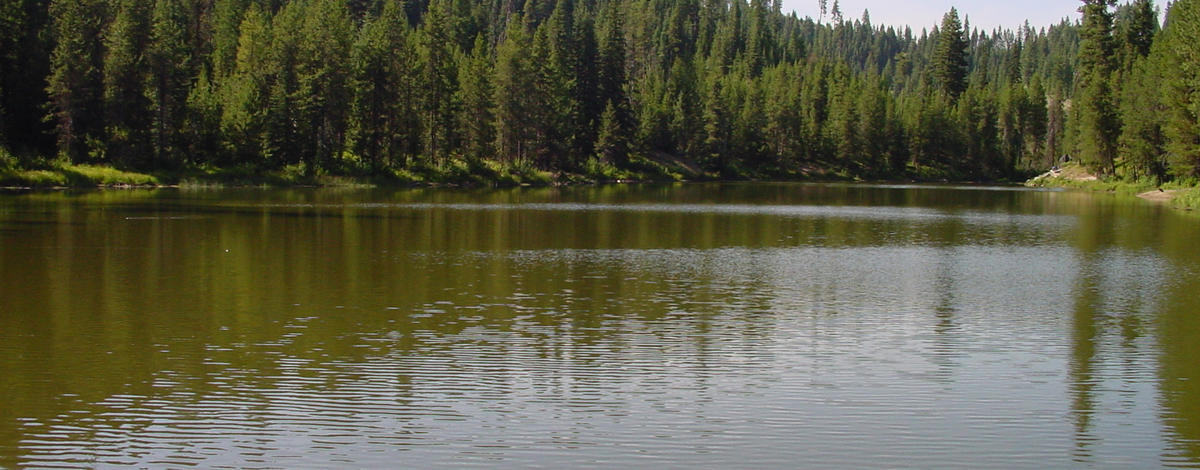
[984, 14]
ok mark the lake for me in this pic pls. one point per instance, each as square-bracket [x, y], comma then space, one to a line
[748, 325]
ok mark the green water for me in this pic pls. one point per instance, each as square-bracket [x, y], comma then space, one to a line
[707, 325]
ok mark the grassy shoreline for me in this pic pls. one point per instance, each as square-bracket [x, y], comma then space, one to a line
[50, 175]
[451, 173]
[1072, 176]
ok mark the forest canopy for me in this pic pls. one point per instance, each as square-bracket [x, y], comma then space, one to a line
[740, 89]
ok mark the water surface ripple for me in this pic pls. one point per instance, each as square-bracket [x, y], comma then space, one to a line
[711, 326]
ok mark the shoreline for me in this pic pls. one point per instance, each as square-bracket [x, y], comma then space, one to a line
[1073, 176]
[65, 177]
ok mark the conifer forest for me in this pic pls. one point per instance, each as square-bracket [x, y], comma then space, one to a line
[377, 87]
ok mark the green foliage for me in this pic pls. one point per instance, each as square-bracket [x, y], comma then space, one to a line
[384, 125]
[1187, 199]
[24, 66]
[1141, 142]
[167, 86]
[950, 56]
[75, 83]
[1095, 112]
[67, 175]
[126, 106]
[438, 80]
[476, 117]
[466, 91]
[1181, 95]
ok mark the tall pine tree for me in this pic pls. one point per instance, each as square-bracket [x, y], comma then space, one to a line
[950, 56]
[1094, 108]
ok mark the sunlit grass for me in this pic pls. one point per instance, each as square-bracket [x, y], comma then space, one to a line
[1187, 199]
[1182, 194]
[344, 173]
[65, 175]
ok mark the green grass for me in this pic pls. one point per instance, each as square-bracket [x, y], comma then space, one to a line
[66, 175]
[1187, 199]
[1186, 193]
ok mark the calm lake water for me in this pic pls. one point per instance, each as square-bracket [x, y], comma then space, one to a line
[681, 326]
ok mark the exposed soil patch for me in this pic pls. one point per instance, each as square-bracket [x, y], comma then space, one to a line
[1159, 195]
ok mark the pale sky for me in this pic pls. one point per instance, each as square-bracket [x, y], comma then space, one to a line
[984, 14]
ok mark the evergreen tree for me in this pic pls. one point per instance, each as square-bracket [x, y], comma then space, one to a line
[201, 134]
[127, 109]
[227, 17]
[439, 81]
[733, 84]
[1095, 110]
[1142, 26]
[76, 82]
[170, 73]
[476, 116]
[1141, 141]
[717, 127]
[322, 95]
[513, 94]
[384, 121]
[244, 95]
[1181, 95]
[612, 143]
[950, 57]
[24, 66]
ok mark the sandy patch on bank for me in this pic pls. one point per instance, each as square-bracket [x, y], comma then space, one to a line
[1158, 195]
[1069, 172]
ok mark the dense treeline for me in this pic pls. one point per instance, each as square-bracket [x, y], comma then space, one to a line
[379, 86]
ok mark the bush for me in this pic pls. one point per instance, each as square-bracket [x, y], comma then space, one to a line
[7, 160]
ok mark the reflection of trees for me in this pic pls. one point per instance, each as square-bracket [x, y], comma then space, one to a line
[1179, 365]
[491, 303]
[945, 328]
[1120, 289]
[1084, 336]
[1178, 327]
[247, 304]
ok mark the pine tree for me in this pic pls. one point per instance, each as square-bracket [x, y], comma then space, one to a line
[384, 121]
[950, 56]
[513, 93]
[873, 128]
[1095, 110]
[1141, 142]
[585, 87]
[758, 51]
[170, 72]
[439, 81]
[717, 127]
[24, 66]
[13, 18]
[476, 118]
[1035, 126]
[612, 144]
[322, 95]
[1180, 93]
[1143, 25]
[127, 109]
[610, 80]
[734, 84]
[558, 58]
[610, 89]
[76, 83]
[226, 18]
[244, 95]
[200, 133]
